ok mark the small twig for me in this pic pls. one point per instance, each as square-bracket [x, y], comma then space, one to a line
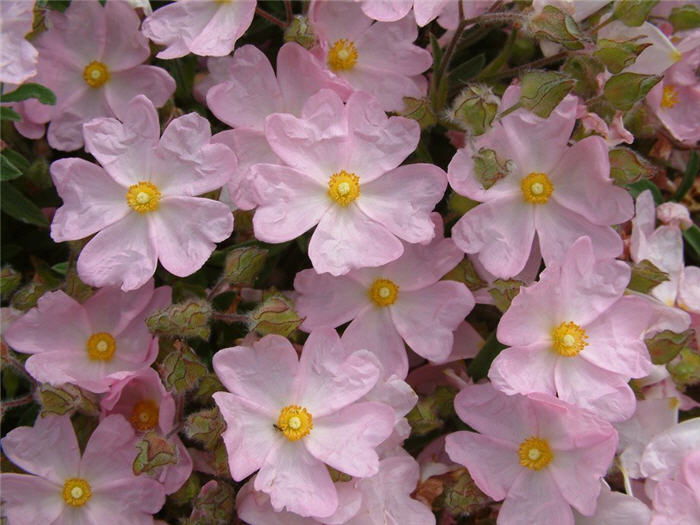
[270, 18]
[230, 318]
[220, 287]
[19, 401]
[530, 65]
[288, 10]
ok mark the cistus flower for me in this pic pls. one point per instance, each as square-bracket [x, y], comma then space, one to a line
[404, 300]
[539, 454]
[65, 488]
[91, 58]
[93, 344]
[542, 186]
[141, 202]
[248, 91]
[142, 399]
[290, 417]
[342, 174]
[17, 56]
[202, 27]
[574, 334]
[376, 57]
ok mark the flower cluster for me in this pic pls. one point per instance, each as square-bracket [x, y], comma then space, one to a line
[461, 286]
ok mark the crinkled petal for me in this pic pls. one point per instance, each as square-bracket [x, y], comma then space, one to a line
[535, 498]
[325, 300]
[524, 369]
[31, 499]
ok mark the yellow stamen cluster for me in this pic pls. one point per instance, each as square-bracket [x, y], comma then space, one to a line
[568, 339]
[76, 492]
[669, 97]
[534, 453]
[383, 292]
[101, 346]
[143, 197]
[144, 415]
[342, 55]
[536, 188]
[344, 187]
[295, 422]
[96, 74]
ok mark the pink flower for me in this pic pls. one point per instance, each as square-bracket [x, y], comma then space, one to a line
[93, 344]
[342, 174]
[574, 334]
[91, 59]
[202, 27]
[541, 455]
[447, 11]
[677, 501]
[142, 202]
[249, 93]
[676, 99]
[17, 56]
[386, 496]
[67, 489]
[376, 57]
[616, 508]
[664, 455]
[557, 192]
[142, 399]
[290, 418]
[403, 301]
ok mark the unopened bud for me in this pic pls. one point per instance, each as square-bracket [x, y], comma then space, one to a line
[301, 32]
[155, 451]
[187, 319]
[618, 54]
[542, 91]
[556, 25]
[489, 168]
[66, 399]
[431, 411]
[666, 345]
[27, 296]
[205, 426]
[504, 291]
[9, 281]
[626, 89]
[419, 109]
[181, 369]
[686, 372]
[646, 276]
[474, 109]
[243, 265]
[627, 166]
[214, 504]
[276, 315]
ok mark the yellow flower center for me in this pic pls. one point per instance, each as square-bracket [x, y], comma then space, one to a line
[295, 422]
[101, 346]
[143, 197]
[383, 292]
[534, 453]
[144, 415]
[536, 188]
[96, 74]
[343, 55]
[76, 492]
[344, 187]
[568, 339]
[670, 97]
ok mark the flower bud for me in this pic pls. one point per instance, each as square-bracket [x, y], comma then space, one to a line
[504, 291]
[646, 276]
[276, 315]
[187, 319]
[624, 90]
[618, 54]
[541, 91]
[243, 265]
[461, 496]
[474, 109]
[686, 372]
[419, 109]
[155, 452]
[489, 168]
[627, 167]
[214, 504]
[666, 345]
[181, 369]
[9, 281]
[556, 25]
[66, 399]
[300, 31]
[205, 427]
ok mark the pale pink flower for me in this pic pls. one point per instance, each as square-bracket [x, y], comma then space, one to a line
[664, 455]
[676, 99]
[539, 454]
[141, 202]
[677, 501]
[403, 301]
[574, 334]
[249, 92]
[17, 56]
[377, 57]
[142, 399]
[290, 417]
[614, 134]
[67, 489]
[93, 344]
[660, 385]
[91, 58]
[447, 11]
[342, 174]
[674, 214]
[576, 9]
[663, 246]
[557, 192]
[616, 508]
[202, 27]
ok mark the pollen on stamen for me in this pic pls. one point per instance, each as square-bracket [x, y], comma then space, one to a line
[144, 415]
[143, 197]
[101, 346]
[342, 55]
[383, 292]
[536, 188]
[534, 453]
[669, 98]
[344, 187]
[295, 422]
[568, 339]
[76, 492]
[96, 74]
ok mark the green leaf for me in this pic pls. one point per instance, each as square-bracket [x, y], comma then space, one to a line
[9, 114]
[617, 55]
[692, 237]
[15, 204]
[60, 268]
[479, 367]
[666, 345]
[8, 169]
[633, 12]
[646, 276]
[684, 17]
[556, 25]
[17, 159]
[489, 168]
[542, 91]
[437, 52]
[639, 186]
[691, 171]
[626, 89]
[30, 90]
[628, 167]
[467, 70]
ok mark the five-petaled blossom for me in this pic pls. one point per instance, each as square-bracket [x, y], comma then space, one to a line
[342, 174]
[142, 202]
[542, 187]
[539, 454]
[290, 417]
[93, 344]
[65, 488]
